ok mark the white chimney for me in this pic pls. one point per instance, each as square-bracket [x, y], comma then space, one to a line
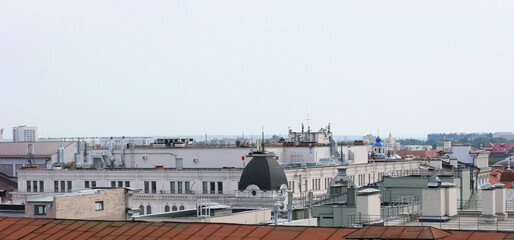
[368, 204]
[488, 203]
[499, 194]
[439, 201]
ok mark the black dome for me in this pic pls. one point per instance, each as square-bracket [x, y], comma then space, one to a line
[263, 171]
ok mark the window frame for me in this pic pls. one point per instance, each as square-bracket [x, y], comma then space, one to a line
[99, 205]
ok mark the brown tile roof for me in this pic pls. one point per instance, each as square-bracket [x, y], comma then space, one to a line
[30, 228]
[398, 232]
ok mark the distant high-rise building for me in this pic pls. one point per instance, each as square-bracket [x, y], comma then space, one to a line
[24, 134]
[1, 134]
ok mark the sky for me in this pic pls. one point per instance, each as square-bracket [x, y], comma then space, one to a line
[163, 68]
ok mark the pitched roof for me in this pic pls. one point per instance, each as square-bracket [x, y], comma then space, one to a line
[41, 149]
[397, 232]
[32, 228]
[501, 148]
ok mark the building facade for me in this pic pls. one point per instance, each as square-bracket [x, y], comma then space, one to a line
[176, 189]
[24, 134]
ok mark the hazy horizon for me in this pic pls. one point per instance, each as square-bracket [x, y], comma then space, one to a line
[164, 68]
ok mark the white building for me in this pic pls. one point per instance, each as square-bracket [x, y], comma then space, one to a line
[181, 188]
[478, 158]
[24, 134]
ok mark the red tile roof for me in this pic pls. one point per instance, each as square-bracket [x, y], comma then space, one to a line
[501, 148]
[398, 232]
[30, 228]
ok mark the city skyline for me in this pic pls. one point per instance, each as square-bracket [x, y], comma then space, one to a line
[189, 68]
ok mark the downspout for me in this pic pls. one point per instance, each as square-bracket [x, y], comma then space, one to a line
[478, 172]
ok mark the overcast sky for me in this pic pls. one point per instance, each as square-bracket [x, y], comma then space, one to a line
[147, 68]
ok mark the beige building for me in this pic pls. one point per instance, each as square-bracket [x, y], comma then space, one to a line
[89, 204]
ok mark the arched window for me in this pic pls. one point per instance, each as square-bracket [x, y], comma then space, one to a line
[167, 208]
[181, 207]
[174, 208]
[141, 210]
[148, 209]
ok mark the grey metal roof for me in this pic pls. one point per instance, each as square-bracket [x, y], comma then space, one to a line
[263, 171]
[41, 149]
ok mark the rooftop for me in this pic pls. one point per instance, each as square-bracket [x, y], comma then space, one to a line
[41, 149]
[30, 228]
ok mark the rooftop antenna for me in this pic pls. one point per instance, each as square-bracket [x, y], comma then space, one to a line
[308, 119]
[262, 145]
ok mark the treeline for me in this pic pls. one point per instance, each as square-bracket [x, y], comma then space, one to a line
[476, 142]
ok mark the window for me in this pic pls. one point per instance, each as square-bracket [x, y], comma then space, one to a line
[166, 208]
[204, 187]
[28, 186]
[179, 187]
[99, 205]
[147, 187]
[172, 187]
[120, 183]
[154, 187]
[220, 187]
[41, 186]
[35, 186]
[188, 187]
[86, 184]
[39, 210]
[181, 207]
[141, 210]
[113, 184]
[69, 186]
[63, 186]
[213, 187]
[56, 186]
[148, 209]
[174, 208]
[127, 183]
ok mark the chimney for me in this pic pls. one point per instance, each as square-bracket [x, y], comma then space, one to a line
[499, 194]
[439, 201]
[447, 145]
[488, 203]
[368, 205]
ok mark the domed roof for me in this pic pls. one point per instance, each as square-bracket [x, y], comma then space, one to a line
[505, 163]
[264, 172]
[341, 177]
[378, 142]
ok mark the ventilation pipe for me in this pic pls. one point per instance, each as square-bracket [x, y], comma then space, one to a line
[275, 211]
[77, 154]
[60, 157]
